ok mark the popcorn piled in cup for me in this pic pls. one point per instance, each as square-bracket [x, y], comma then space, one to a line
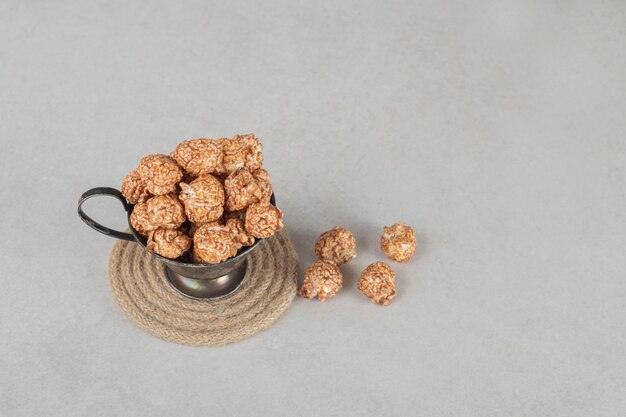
[204, 201]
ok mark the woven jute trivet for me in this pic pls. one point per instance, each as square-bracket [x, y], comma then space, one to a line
[141, 289]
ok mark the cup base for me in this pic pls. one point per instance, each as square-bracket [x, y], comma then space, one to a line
[204, 289]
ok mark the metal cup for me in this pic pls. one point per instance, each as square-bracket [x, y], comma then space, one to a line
[200, 281]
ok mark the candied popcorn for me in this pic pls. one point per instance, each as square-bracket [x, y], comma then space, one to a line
[240, 234]
[160, 173]
[213, 244]
[337, 245]
[322, 279]
[262, 178]
[211, 195]
[166, 211]
[242, 189]
[203, 199]
[378, 282]
[139, 220]
[240, 151]
[135, 189]
[263, 219]
[171, 244]
[398, 242]
[199, 156]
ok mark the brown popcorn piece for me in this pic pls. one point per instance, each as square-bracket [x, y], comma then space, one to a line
[213, 244]
[166, 211]
[378, 282]
[336, 245]
[203, 199]
[322, 279]
[262, 178]
[171, 244]
[398, 242]
[241, 151]
[160, 173]
[199, 156]
[135, 189]
[240, 234]
[139, 220]
[243, 189]
[263, 219]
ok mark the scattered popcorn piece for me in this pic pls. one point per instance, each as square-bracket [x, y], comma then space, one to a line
[322, 279]
[203, 199]
[263, 219]
[166, 211]
[139, 220]
[336, 245]
[199, 156]
[135, 189]
[398, 242]
[213, 244]
[378, 282]
[171, 244]
[160, 173]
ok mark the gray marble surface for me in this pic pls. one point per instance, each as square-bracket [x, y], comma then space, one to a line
[496, 129]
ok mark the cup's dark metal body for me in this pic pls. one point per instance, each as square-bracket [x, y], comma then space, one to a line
[192, 280]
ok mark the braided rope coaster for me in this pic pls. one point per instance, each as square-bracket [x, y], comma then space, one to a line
[141, 289]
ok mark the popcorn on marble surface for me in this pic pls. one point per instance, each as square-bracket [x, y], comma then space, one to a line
[398, 242]
[378, 282]
[337, 245]
[322, 279]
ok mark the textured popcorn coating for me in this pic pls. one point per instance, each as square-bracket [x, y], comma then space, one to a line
[171, 244]
[135, 189]
[398, 242]
[188, 178]
[203, 199]
[240, 234]
[378, 282]
[160, 173]
[242, 189]
[240, 151]
[262, 178]
[263, 219]
[139, 219]
[336, 245]
[166, 211]
[213, 244]
[199, 156]
[322, 279]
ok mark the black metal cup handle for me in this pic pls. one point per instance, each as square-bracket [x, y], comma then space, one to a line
[106, 191]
